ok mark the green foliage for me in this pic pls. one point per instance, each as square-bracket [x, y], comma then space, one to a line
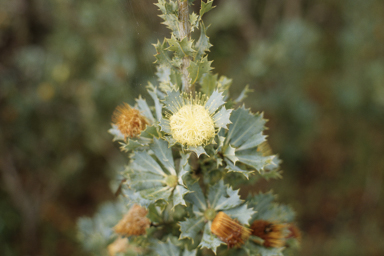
[184, 186]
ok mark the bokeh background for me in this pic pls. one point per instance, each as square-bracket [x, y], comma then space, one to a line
[316, 68]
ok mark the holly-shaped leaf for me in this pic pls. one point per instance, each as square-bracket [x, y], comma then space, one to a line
[242, 145]
[162, 55]
[202, 45]
[181, 48]
[170, 15]
[166, 249]
[206, 7]
[199, 67]
[210, 240]
[208, 83]
[191, 227]
[155, 177]
[158, 106]
[267, 209]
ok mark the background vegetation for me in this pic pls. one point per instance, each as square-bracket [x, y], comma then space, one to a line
[316, 68]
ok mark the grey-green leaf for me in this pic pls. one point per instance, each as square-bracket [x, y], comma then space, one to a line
[221, 118]
[214, 102]
[242, 213]
[210, 240]
[191, 227]
[163, 154]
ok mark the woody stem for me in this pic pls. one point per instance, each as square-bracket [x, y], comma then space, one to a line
[185, 31]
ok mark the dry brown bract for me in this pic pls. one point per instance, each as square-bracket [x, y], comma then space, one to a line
[229, 230]
[129, 120]
[134, 222]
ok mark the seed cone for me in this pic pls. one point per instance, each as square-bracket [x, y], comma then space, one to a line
[134, 222]
[229, 230]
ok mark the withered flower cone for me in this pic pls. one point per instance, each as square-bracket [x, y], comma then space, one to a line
[229, 230]
[129, 120]
[134, 222]
[272, 234]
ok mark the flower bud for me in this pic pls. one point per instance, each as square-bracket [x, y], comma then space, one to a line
[229, 230]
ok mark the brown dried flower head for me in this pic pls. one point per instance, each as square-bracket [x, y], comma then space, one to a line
[119, 245]
[229, 230]
[134, 223]
[129, 120]
[294, 232]
[273, 234]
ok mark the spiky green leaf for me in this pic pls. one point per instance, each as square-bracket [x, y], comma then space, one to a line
[206, 7]
[210, 240]
[221, 118]
[181, 48]
[196, 198]
[166, 249]
[178, 195]
[202, 45]
[162, 55]
[163, 154]
[214, 102]
[244, 126]
[208, 83]
[191, 227]
[199, 150]
[223, 197]
[232, 168]
[197, 68]
[243, 94]
[242, 213]
[158, 106]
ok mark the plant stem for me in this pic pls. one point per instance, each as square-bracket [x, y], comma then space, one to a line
[185, 31]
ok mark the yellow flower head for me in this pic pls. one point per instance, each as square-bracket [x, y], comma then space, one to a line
[129, 121]
[194, 121]
[229, 230]
[192, 125]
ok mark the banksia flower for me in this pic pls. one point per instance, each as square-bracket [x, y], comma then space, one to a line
[129, 121]
[194, 121]
[273, 234]
[134, 222]
[229, 230]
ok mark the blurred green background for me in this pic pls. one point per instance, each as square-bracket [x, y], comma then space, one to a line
[316, 67]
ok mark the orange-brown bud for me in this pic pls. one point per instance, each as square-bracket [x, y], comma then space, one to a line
[229, 230]
[134, 222]
[272, 234]
[129, 120]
